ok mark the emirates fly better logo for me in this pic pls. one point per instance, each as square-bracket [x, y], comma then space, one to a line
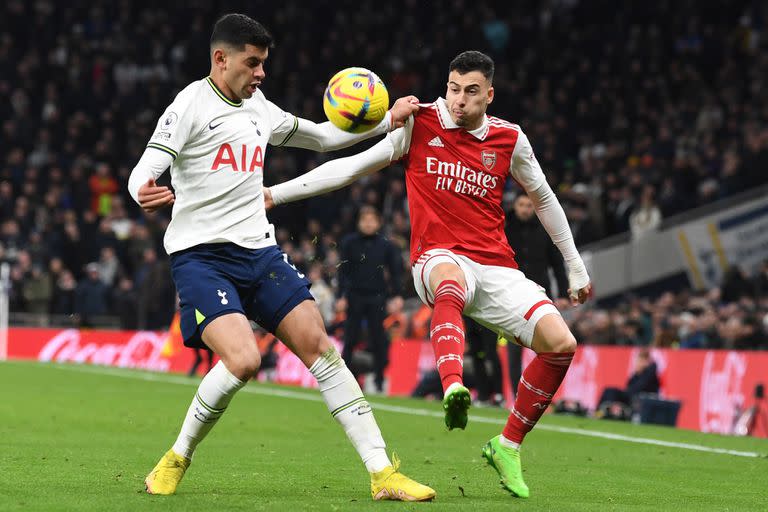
[461, 179]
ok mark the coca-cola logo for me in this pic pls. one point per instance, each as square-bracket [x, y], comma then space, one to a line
[142, 350]
[721, 391]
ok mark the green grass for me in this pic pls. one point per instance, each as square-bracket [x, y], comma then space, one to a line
[75, 437]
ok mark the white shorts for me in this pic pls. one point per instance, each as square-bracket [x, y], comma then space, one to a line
[500, 298]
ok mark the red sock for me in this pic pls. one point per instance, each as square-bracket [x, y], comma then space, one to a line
[447, 332]
[537, 386]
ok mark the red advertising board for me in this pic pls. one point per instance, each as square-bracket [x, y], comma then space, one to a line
[126, 349]
[713, 385]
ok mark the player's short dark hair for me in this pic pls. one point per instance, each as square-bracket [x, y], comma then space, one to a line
[473, 61]
[237, 30]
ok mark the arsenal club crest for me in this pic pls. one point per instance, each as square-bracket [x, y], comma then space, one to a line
[488, 158]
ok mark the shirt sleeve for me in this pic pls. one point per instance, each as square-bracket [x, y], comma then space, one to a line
[175, 126]
[334, 174]
[151, 165]
[524, 167]
[552, 217]
[400, 139]
[289, 130]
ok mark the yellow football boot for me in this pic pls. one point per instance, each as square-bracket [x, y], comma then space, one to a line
[390, 484]
[167, 474]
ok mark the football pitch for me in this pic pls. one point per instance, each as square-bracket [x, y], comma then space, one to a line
[83, 438]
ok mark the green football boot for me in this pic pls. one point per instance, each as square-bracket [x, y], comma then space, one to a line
[506, 462]
[456, 402]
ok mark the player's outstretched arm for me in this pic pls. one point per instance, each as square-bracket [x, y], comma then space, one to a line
[326, 137]
[332, 175]
[141, 183]
[552, 217]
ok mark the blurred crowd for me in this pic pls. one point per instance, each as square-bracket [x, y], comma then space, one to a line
[733, 316]
[637, 111]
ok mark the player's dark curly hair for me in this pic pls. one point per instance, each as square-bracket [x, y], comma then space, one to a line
[237, 30]
[473, 61]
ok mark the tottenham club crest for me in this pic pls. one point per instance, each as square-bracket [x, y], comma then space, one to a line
[488, 158]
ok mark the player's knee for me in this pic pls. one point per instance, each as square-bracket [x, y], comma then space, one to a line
[315, 345]
[446, 272]
[244, 364]
[563, 342]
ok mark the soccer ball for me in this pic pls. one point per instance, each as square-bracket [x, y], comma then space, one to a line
[356, 100]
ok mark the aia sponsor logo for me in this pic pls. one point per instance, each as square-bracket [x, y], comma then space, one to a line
[721, 395]
[238, 159]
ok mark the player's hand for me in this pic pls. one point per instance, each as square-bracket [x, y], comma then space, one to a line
[403, 108]
[268, 203]
[581, 295]
[152, 197]
[580, 286]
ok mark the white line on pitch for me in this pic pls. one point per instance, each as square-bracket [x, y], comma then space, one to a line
[285, 393]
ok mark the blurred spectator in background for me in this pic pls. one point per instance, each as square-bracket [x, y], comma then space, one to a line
[91, 296]
[322, 292]
[109, 266]
[761, 281]
[646, 217]
[535, 253]
[396, 322]
[63, 299]
[370, 271]
[102, 187]
[736, 285]
[126, 304]
[38, 291]
[618, 403]
[156, 292]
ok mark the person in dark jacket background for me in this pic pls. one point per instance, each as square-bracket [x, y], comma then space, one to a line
[644, 379]
[370, 272]
[91, 296]
[535, 253]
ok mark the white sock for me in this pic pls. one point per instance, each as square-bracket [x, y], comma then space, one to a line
[211, 400]
[347, 404]
[509, 444]
[452, 386]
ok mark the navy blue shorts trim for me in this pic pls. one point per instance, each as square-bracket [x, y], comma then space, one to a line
[216, 279]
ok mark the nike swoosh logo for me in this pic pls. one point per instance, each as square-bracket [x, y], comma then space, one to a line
[214, 126]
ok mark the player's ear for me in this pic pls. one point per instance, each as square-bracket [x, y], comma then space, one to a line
[219, 57]
[490, 95]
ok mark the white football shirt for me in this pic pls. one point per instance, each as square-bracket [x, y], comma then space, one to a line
[218, 148]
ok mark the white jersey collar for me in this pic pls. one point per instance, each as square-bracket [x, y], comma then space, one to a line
[447, 122]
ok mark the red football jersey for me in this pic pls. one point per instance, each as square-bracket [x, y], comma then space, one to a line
[455, 181]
